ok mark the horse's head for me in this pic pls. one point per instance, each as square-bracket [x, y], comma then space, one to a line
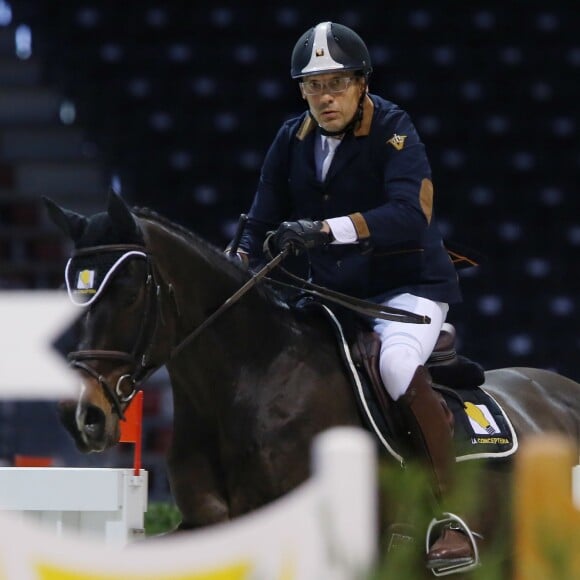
[110, 277]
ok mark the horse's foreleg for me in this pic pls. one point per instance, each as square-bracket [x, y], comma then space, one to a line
[194, 471]
[196, 490]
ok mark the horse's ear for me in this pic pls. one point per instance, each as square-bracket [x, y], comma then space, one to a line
[121, 215]
[71, 223]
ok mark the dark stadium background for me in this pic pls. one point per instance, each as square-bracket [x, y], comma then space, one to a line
[174, 104]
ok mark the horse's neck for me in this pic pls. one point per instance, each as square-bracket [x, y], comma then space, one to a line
[202, 282]
[235, 350]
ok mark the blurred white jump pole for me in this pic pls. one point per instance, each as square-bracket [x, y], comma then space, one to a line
[30, 368]
[345, 463]
[576, 486]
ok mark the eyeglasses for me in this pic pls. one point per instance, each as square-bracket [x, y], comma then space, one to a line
[335, 85]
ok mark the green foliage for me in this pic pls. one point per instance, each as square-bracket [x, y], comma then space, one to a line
[405, 498]
[160, 518]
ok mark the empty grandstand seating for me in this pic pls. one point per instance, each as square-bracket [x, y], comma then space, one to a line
[180, 101]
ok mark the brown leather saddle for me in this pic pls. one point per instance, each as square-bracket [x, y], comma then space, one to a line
[447, 368]
[456, 378]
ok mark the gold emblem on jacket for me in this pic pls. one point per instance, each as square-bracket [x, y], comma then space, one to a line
[397, 141]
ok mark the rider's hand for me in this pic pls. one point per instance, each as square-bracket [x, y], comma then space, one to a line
[301, 235]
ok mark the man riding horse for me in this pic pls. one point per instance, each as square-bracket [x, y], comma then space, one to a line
[243, 425]
[348, 185]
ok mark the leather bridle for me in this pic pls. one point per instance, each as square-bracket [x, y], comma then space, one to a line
[139, 357]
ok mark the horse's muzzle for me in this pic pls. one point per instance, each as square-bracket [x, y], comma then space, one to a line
[87, 425]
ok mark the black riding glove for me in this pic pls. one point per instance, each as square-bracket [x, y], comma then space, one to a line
[300, 235]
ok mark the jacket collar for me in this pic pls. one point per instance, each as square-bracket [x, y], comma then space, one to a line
[364, 128]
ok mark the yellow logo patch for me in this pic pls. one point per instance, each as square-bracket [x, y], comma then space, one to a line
[86, 282]
[482, 422]
[397, 141]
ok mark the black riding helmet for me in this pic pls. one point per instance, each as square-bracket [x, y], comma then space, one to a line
[329, 47]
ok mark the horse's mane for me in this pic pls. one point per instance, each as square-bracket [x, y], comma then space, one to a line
[213, 254]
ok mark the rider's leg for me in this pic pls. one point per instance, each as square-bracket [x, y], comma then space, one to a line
[404, 350]
[405, 346]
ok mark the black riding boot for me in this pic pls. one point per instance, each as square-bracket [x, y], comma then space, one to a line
[431, 440]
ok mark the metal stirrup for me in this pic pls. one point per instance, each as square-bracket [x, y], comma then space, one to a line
[456, 523]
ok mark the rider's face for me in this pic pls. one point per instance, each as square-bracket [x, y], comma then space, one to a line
[333, 110]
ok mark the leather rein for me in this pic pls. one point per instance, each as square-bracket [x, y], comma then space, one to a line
[363, 307]
[140, 355]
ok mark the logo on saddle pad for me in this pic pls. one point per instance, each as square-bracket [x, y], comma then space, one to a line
[481, 420]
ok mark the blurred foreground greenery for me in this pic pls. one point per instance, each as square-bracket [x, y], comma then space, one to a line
[408, 500]
[160, 518]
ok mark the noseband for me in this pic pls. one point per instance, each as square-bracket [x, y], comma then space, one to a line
[139, 356]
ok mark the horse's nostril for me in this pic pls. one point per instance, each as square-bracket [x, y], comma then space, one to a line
[94, 415]
[94, 421]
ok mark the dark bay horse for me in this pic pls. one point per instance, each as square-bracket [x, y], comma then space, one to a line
[254, 388]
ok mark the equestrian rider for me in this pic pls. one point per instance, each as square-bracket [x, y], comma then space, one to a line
[351, 183]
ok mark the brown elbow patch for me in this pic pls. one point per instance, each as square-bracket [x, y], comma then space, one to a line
[426, 198]
[360, 225]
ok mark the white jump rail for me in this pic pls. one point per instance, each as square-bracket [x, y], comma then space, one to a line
[103, 503]
[326, 529]
[576, 486]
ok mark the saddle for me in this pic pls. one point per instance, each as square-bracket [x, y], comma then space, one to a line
[447, 368]
[480, 426]
[445, 365]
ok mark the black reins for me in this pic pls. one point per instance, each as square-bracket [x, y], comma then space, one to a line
[361, 306]
[228, 303]
[141, 352]
[364, 307]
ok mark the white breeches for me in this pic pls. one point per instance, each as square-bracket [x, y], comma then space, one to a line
[405, 345]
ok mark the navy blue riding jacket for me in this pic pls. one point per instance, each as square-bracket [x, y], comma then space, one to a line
[380, 177]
